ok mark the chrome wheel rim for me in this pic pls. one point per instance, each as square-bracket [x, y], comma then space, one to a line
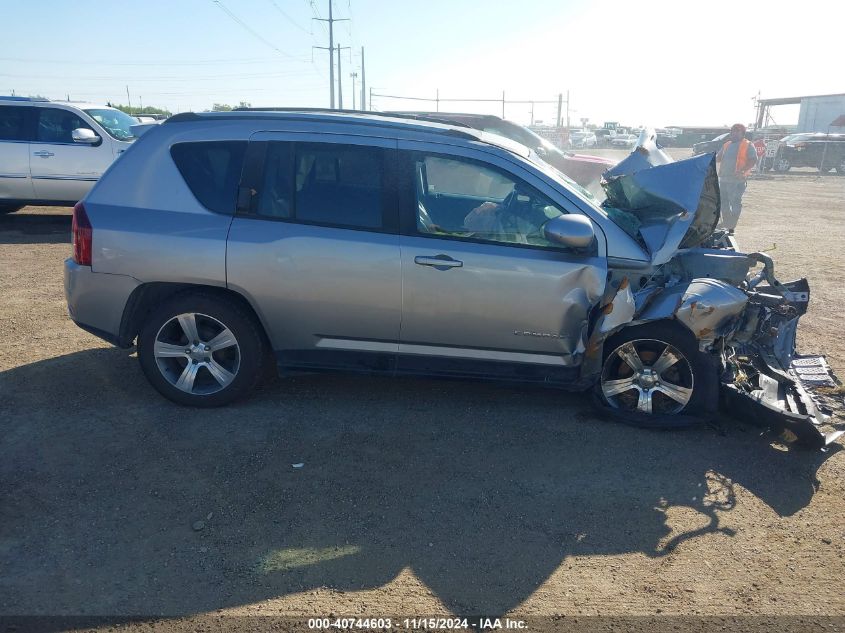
[648, 376]
[197, 353]
[783, 164]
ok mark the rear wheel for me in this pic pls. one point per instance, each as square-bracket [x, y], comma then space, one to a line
[201, 350]
[654, 369]
[782, 165]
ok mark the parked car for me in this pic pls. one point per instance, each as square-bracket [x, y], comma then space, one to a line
[716, 143]
[224, 242]
[624, 140]
[584, 169]
[582, 139]
[52, 152]
[824, 152]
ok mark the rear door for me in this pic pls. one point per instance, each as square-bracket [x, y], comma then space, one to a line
[61, 169]
[483, 291]
[16, 129]
[315, 248]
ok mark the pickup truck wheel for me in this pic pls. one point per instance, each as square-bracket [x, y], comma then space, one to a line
[656, 369]
[201, 350]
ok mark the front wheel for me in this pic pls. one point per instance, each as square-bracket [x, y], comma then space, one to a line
[201, 350]
[782, 165]
[655, 369]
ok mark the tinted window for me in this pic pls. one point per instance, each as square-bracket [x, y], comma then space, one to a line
[339, 184]
[56, 126]
[212, 170]
[14, 123]
[275, 194]
[467, 199]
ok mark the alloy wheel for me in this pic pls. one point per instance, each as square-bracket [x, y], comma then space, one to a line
[197, 354]
[648, 376]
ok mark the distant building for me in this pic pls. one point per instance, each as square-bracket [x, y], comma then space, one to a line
[818, 113]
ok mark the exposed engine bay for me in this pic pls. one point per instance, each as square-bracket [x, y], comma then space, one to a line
[744, 319]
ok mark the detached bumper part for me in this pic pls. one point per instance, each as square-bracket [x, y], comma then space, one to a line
[778, 402]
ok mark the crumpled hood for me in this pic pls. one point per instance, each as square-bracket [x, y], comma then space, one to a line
[675, 203]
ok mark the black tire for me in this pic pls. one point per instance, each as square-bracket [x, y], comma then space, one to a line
[245, 360]
[10, 208]
[702, 371]
[841, 168]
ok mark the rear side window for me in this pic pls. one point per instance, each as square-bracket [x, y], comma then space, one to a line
[339, 184]
[212, 170]
[56, 126]
[323, 183]
[14, 123]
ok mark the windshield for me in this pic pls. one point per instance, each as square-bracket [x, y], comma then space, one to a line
[116, 123]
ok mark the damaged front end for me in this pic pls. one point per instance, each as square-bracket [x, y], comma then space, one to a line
[742, 317]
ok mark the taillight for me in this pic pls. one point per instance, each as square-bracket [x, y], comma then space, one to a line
[82, 235]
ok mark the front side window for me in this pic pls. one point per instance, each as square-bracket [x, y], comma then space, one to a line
[57, 126]
[14, 123]
[118, 124]
[464, 198]
[212, 171]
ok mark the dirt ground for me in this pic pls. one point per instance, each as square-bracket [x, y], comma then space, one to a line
[415, 497]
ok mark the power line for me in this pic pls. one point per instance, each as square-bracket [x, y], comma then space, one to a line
[296, 73]
[288, 18]
[161, 62]
[250, 30]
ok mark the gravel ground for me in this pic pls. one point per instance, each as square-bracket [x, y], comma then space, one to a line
[416, 497]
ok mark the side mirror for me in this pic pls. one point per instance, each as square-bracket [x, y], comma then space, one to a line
[84, 135]
[573, 231]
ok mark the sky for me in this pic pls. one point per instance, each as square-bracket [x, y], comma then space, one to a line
[651, 62]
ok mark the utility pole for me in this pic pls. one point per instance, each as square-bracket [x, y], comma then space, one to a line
[559, 106]
[363, 82]
[503, 104]
[438, 100]
[128, 99]
[567, 109]
[532, 113]
[339, 81]
[330, 48]
[354, 77]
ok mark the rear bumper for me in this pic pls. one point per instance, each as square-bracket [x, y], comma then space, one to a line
[95, 301]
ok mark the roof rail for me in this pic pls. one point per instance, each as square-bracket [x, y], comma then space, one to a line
[14, 98]
[358, 117]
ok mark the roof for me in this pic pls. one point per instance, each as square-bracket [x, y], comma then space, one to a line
[377, 119]
[793, 100]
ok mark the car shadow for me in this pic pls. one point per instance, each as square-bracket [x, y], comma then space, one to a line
[115, 501]
[27, 228]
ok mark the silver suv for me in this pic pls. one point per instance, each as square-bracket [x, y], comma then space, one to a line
[52, 152]
[323, 240]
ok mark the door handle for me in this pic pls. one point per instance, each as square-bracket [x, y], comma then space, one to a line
[43, 154]
[441, 262]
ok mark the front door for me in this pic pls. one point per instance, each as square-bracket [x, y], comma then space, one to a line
[481, 284]
[315, 247]
[61, 169]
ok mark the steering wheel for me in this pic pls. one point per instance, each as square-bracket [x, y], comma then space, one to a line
[507, 203]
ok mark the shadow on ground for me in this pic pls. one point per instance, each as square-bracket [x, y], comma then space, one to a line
[483, 491]
[16, 228]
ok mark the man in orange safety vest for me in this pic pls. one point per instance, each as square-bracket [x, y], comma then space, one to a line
[738, 157]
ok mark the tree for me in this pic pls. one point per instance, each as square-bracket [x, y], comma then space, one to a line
[144, 110]
[221, 107]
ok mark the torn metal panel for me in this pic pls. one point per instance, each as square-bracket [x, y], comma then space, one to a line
[619, 311]
[676, 204]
